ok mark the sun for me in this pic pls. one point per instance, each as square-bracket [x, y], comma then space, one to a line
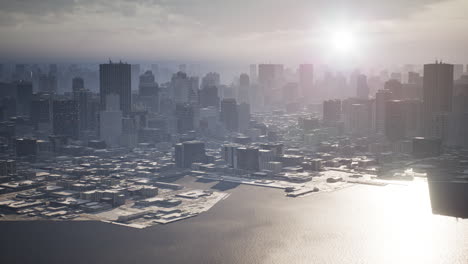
[343, 41]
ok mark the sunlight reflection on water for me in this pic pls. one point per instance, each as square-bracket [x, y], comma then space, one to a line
[393, 224]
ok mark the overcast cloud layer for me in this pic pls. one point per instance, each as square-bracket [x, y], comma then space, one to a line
[396, 31]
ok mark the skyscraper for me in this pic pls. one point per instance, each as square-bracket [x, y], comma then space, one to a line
[247, 159]
[362, 89]
[65, 118]
[457, 71]
[189, 152]
[414, 77]
[395, 87]
[155, 70]
[244, 87]
[194, 88]
[270, 76]
[77, 84]
[83, 100]
[115, 78]
[243, 112]
[229, 115]
[381, 99]
[394, 120]
[211, 79]
[180, 87]
[47, 83]
[148, 92]
[24, 94]
[331, 111]
[148, 85]
[209, 97]
[413, 117]
[253, 73]
[41, 109]
[306, 80]
[20, 72]
[357, 116]
[437, 94]
[135, 69]
[270, 80]
[110, 121]
[185, 117]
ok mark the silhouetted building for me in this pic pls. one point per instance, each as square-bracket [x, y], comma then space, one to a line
[26, 147]
[394, 120]
[308, 124]
[243, 112]
[457, 71]
[189, 152]
[306, 80]
[426, 147]
[396, 88]
[413, 117]
[41, 111]
[247, 159]
[180, 87]
[47, 83]
[357, 116]
[148, 85]
[149, 92]
[135, 73]
[362, 89]
[83, 99]
[414, 78]
[155, 70]
[244, 89]
[437, 93]
[65, 118]
[229, 115]
[185, 116]
[20, 72]
[209, 96]
[115, 78]
[331, 111]
[270, 78]
[449, 196]
[381, 99]
[110, 121]
[77, 84]
[24, 91]
[253, 73]
[7, 167]
[211, 79]
[9, 106]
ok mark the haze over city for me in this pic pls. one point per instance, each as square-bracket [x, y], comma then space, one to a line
[234, 31]
[267, 131]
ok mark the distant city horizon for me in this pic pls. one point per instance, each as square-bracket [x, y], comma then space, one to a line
[342, 32]
[231, 131]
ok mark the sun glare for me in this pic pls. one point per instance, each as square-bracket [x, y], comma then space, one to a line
[343, 41]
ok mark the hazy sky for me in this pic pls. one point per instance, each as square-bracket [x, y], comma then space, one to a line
[292, 31]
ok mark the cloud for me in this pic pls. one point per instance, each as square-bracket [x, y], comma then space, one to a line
[236, 15]
[221, 29]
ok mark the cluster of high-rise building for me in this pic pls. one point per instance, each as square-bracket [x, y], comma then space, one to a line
[136, 124]
[132, 105]
[432, 106]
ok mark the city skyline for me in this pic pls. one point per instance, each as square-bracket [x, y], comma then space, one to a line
[205, 131]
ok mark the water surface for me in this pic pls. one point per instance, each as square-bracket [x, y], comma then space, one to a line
[359, 224]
